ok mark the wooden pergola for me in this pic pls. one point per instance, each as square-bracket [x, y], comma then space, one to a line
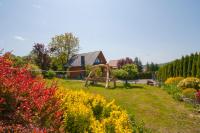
[107, 78]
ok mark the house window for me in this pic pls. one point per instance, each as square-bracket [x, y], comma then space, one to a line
[97, 61]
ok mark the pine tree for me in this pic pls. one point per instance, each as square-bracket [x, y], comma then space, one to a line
[177, 68]
[194, 65]
[190, 65]
[185, 66]
[198, 66]
[181, 67]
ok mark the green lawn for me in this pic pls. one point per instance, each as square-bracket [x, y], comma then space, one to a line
[151, 105]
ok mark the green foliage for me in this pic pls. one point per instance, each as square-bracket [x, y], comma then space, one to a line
[198, 66]
[127, 72]
[35, 70]
[88, 69]
[174, 91]
[138, 63]
[189, 82]
[145, 75]
[189, 93]
[49, 74]
[18, 61]
[152, 67]
[131, 69]
[63, 47]
[120, 73]
[185, 67]
[98, 72]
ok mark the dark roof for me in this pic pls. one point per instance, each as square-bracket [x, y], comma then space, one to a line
[89, 58]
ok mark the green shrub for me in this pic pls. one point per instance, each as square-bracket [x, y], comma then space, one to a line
[174, 91]
[190, 82]
[50, 74]
[35, 70]
[120, 73]
[189, 93]
[178, 96]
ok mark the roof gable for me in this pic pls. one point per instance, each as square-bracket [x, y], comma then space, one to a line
[89, 58]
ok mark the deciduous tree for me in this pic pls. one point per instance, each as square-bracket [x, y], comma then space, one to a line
[63, 47]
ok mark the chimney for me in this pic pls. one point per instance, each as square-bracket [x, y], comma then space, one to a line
[82, 60]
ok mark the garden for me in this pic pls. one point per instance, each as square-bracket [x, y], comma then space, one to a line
[37, 95]
[27, 104]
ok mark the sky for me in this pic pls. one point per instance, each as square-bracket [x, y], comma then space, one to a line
[153, 30]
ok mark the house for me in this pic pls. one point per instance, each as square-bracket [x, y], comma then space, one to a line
[78, 62]
[113, 64]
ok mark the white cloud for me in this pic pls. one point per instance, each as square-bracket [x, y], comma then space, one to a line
[36, 6]
[20, 38]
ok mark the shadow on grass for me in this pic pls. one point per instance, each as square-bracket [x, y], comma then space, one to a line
[129, 86]
[118, 86]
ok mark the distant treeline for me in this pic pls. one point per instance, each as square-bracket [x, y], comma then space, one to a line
[187, 66]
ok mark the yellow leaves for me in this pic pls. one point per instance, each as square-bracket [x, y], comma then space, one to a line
[190, 82]
[173, 80]
[85, 112]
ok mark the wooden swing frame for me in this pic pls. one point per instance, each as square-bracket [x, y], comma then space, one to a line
[106, 79]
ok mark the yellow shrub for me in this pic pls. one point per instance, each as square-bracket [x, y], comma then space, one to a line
[189, 93]
[85, 112]
[189, 82]
[173, 80]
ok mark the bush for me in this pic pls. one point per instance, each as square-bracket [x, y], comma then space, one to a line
[49, 74]
[35, 70]
[189, 93]
[86, 112]
[120, 73]
[173, 80]
[189, 83]
[174, 91]
[198, 96]
[26, 101]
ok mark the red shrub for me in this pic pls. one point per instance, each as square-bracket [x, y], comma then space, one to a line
[198, 96]
[24, 100]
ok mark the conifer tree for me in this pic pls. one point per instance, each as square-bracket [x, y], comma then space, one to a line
[198, 66]
[185, 66]
[190, 66]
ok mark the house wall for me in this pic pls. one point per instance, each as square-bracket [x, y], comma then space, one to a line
[76, 75]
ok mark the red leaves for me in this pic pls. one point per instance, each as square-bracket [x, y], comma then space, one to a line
[198, 96]
[27, 98]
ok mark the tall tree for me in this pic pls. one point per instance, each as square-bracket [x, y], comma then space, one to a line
[40, 55]
[177, 67]
[63, 47]
[194, 64]
[185, 66]
[198, 66]
[190, 65]
[181, 66]
[138, 63]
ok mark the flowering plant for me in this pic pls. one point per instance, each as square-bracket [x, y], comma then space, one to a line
[198, 96]
[24, 99]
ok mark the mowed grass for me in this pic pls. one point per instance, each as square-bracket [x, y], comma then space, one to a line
[152, 105]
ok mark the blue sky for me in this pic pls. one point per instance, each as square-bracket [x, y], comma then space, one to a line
[153, 30]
